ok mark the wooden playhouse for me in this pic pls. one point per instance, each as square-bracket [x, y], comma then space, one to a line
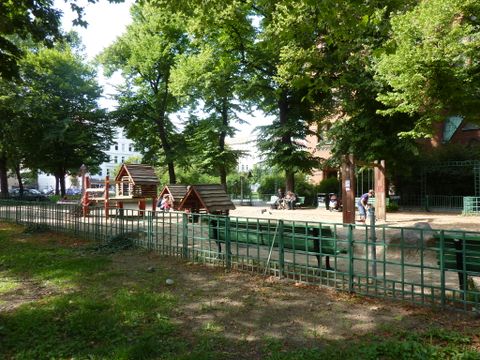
[209, 198]
[176, 191]
[136, 182]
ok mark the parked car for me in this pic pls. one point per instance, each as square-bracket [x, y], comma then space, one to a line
[73, 191]
[28, 195]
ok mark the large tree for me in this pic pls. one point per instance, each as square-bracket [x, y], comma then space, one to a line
[146, 55]
[331, 51]
[430, 67]
[209, 79]
[35, 20]
[63, 126]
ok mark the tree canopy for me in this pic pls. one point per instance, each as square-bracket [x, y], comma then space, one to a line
[430, 65]
[52, 121]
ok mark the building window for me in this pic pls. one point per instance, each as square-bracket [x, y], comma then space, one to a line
[130, 148]
[123, 159]
[115, 159]
[116, 147]
[108, 172]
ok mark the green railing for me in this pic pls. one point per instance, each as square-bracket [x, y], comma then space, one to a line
[471, 205]
[431, 202]
[421, 266]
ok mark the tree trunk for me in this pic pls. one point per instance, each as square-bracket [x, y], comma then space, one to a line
[3, 176]
[289, 180]
[221, 144]
[167, 148]
[57, 185]
[60, 179]
[19, 179]
[286, 138]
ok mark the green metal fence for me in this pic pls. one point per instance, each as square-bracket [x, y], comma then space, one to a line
[421, 266]
[471, 205]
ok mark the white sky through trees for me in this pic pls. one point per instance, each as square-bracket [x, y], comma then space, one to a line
[106, 22]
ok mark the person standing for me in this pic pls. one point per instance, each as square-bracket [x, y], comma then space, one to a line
[362, 204]
[280, 201]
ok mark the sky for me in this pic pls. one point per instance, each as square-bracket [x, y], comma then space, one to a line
[105, 23]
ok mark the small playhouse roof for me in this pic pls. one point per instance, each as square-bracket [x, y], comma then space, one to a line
[139, 173]
[177, 191]
[211, 197]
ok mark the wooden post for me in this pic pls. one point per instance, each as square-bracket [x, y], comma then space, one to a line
[141, 206]
[154, 204]
[348, 189]
[85, 200]
[380, 190]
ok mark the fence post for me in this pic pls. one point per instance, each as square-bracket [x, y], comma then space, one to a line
[185, 236]
[228, 244]
[350, 258]
[17, 214]
[373, 240]
[442, 267]
[149, 230]
[426, 203]
[281, 249]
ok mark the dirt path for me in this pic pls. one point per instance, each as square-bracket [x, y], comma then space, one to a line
[400, 219]
[252, 309]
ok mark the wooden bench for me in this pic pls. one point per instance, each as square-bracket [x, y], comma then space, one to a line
[273, 200]
[320, 240]
[300, 201]
[461, 253]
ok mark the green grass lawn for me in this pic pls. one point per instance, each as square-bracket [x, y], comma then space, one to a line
[61, 299]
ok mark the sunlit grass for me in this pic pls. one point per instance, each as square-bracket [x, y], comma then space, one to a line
[84, 307]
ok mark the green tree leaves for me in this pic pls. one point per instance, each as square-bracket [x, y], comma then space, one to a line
[430, 65]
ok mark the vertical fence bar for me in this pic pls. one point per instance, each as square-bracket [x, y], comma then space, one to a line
[351, 269]
[373, 240]
[442, 268]
[185, 236]
[228, 244]
[281, 249]
[149, 230]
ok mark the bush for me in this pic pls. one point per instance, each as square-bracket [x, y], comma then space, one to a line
[392, 207]
[330, 185]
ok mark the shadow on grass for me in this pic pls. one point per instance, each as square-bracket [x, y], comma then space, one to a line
[100, 311]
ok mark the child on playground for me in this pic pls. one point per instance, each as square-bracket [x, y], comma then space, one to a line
[166, 203]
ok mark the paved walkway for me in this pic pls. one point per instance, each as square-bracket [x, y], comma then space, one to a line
[403, 219]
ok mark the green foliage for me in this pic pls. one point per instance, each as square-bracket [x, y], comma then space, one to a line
[392, 207]
[433, 344]
[270, 183]
[330, 185]
[188, 176]
[63, 126]
[146, 55]
[36, 20]
[304, 188]
[429, 66]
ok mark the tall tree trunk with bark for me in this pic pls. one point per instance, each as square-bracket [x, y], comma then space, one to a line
[221, 144]
[286, 139]
[19, 179]
[3, 176]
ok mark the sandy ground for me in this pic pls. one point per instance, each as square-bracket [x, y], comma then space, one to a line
[446, 221]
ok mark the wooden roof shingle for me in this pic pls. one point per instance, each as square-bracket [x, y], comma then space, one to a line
[211, 197]
[139, 173]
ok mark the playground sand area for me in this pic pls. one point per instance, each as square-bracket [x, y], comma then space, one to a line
[436, 220]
